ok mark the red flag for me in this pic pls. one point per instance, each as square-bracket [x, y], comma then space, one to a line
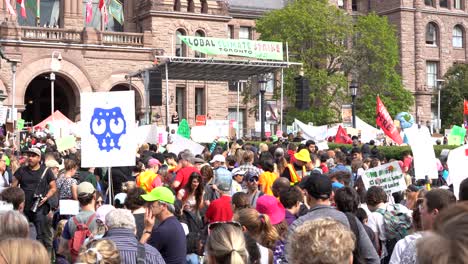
[10, 9]
[101, 3]
[465, 107]
[89, 11]
[23, 8]
[103, 8]
[384, 120]
[341, 137]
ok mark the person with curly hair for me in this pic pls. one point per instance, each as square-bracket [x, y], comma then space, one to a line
[324, 241]
[101, 251]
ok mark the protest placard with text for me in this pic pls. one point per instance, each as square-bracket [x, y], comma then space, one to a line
[388, 176]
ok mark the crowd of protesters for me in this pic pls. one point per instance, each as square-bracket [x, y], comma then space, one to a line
[281, 202]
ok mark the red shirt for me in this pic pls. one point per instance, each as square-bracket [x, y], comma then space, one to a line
[183, 176]
[219, 210]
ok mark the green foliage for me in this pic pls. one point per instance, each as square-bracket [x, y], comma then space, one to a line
[454, 90]
[316, 33]
[372, 61]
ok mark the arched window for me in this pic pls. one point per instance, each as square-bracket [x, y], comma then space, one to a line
[180, 47]
[204, 7]
[190, 6]
[457, 37]
[176, 5]
[431, 34]
[198, 54]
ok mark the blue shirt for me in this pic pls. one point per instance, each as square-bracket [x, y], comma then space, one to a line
[169, 239]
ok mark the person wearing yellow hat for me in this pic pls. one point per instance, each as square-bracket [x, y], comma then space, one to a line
[297, 170]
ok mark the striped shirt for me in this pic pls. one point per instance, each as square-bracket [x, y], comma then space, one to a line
[127, 244]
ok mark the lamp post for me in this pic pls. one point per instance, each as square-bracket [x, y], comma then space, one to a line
[353, 87]
[55, 67]
[439, 87]
[262, 83]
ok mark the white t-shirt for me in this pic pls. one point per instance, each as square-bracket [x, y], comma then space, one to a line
[401, 246]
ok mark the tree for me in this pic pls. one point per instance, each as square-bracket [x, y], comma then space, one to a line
[372, 62]
[316, 33]
[454, 90]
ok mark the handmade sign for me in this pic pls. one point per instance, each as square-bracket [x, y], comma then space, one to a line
[388, 176]
[108, 133]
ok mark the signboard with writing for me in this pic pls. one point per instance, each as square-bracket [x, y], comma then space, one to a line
[388, 176]
[347, 115]
[238, 47]
[200, 120]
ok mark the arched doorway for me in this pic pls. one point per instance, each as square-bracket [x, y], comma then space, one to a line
[37, 98]
[138, 99]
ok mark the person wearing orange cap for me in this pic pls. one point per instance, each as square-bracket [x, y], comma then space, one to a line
[296, 170]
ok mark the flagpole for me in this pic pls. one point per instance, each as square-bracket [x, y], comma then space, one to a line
[38, 13]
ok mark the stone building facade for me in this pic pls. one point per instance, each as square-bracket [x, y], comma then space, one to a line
[95, 60]
[432, 37]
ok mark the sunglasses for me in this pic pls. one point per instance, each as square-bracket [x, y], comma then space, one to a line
[253, 179]
[215, 225]
[99, 202]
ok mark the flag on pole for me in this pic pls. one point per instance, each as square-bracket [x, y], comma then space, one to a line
[89, 11]
[9, 8]
[342, 137]
[465, 107]
[116, 11]
[384, 120]
[103, 8]
[23, 7]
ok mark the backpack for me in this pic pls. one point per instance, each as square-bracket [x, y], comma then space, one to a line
[81, 233]
[397, 225]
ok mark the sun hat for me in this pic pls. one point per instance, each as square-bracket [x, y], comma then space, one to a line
[269, 205]
[159, 194]
[102, 211]
[303, 155]
[52, 163]
[85, 188]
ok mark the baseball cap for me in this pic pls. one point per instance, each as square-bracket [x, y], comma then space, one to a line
[250, 174]
[303, 155]
[153, 162]
[269, 205]
[238, 171]
[34, 151]
[159, 194]
[52, 164]
[317, 185]
[219, 158]
[102, 211]
[85, 188]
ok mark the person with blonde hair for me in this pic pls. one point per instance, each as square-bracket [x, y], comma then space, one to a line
[259, 227]
[226, 244]
[322, 241]
[23, 251]
[101, 251]
[13, 225]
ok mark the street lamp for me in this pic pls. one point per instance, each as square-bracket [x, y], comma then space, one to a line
[353, 87]
[262, 83]
[55, 67]
[439, 87]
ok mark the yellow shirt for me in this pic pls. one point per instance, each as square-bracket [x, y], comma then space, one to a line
[266, 180]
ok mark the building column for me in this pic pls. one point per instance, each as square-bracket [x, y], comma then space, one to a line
[72, 14]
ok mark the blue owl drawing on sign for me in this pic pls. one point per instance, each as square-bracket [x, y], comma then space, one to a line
[107, 126]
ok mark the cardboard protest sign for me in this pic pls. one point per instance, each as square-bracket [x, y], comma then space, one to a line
[203, 134]
[108, 136]
[312, 132]
[388, 176]
[422, 147]
[456, 161]
[147, 134]
[179, 143]
[65, 143]
[20, 124]
[184, 129]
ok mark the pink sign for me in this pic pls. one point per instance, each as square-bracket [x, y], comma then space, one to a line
[160, 138]
[279, 133]
[268, 134]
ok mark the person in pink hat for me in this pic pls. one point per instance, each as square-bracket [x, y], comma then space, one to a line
[272, 207]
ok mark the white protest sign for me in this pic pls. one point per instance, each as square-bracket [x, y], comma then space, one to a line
[220, 127]
[388, 176]
[108, 136]
[456, 161]
[423, 152]
[180, 143]
[203, 134]
[3, 114]
[162, 136]
[69, 207]
[147, 134]
[312, 132]
[322, 145]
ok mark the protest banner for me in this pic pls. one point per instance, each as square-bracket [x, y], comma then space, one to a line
[385, 121]
[220, 127]
[180, 143]
[108, 136]
[200, 120]
[347, 115]
[388, 176]
[322, 145]
[456, 161]
[147, 134]
[457, 135]
[65, 143]
[312, 132]
[424, 158]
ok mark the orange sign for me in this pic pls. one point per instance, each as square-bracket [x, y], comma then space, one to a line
[200, 120]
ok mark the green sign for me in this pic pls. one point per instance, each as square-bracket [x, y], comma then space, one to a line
[238, 47]
[184, 129]
[20, 124]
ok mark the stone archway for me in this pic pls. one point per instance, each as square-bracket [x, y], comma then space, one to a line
[69, 76]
